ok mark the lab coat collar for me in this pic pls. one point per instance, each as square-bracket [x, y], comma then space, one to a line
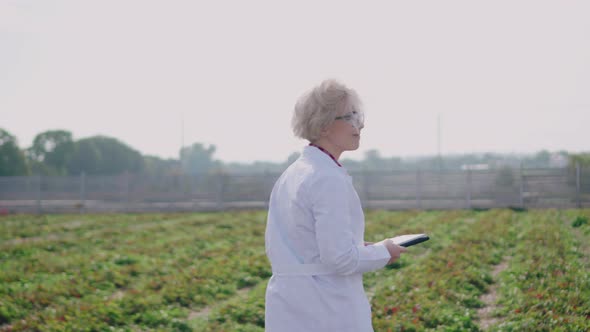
[318, 155]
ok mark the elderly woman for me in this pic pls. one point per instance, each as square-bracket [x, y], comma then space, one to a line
[315, 227]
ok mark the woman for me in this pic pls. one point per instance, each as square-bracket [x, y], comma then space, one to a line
[315, 227]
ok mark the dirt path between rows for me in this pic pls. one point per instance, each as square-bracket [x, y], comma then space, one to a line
[485, 314]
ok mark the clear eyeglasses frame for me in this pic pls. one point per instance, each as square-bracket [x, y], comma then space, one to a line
[354, 118]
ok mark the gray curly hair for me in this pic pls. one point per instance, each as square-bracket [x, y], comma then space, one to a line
[317, 108]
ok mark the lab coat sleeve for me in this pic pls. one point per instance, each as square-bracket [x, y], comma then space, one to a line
[329, 198]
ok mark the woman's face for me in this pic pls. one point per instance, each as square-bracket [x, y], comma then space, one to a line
[345, 132]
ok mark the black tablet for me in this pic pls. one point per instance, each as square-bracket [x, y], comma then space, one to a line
[410, 239]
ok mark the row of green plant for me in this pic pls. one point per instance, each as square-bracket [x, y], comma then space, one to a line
[173, 265]
[442, 292]
[546, 286]
[246, 313]
[208, 271]
[148, 274]
[439, 284]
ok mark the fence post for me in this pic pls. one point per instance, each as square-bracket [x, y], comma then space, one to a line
[578, 200]
[127, 192]
[39, 207]
[419, 188]
[521, 194]
[220, 190]
[193, 180]
[468, 188]
[82, 192]
[191, 183]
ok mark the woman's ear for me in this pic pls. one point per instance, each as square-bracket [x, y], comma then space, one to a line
[325, 132]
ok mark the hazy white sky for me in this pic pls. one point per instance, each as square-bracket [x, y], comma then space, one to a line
[505, 76]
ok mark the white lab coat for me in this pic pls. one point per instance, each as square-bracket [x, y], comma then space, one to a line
[315, 220]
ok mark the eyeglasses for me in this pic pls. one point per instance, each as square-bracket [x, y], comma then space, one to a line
[355, 119]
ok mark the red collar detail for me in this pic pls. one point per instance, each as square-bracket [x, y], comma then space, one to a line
[326, 152]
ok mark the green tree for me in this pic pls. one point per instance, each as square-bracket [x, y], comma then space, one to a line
[12, 159]
[197, 158]
[582, 159]
[541, 159]
[51, 151]
[156, 166]
[102, 155]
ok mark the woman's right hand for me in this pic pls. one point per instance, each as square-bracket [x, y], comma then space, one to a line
[395, 250]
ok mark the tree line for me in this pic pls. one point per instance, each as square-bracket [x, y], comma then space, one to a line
[56, 152]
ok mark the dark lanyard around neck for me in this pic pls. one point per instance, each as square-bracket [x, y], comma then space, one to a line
[326, 152]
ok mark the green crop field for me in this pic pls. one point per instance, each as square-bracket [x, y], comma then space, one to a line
[496, 270]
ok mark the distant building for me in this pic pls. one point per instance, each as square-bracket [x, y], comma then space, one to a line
[558, 160]
[475, 167]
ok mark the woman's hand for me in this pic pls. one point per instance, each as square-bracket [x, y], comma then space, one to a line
[395, 250]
